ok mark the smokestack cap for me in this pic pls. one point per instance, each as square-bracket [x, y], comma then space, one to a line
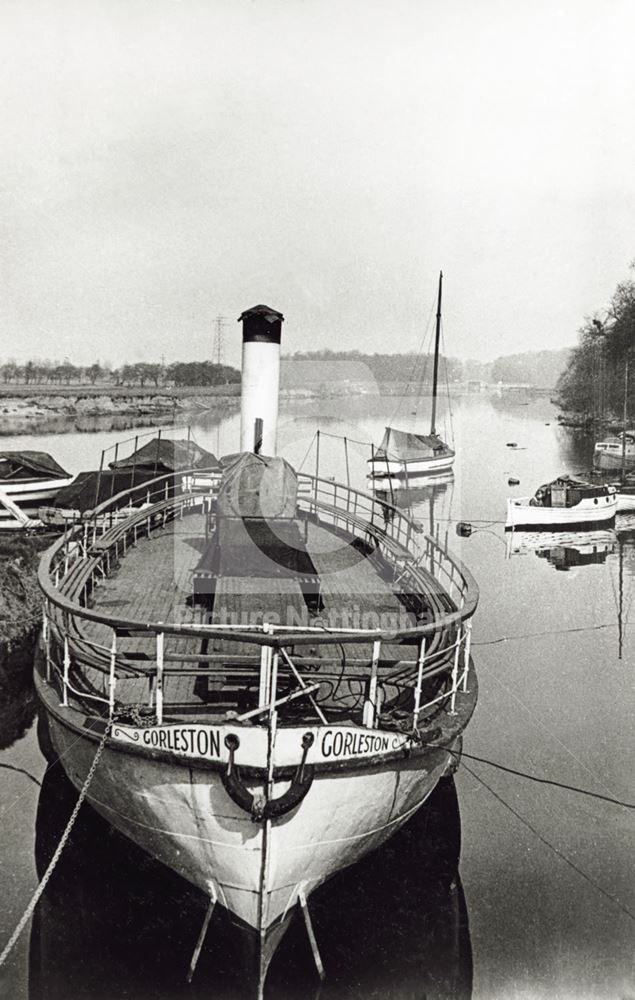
[262, 324]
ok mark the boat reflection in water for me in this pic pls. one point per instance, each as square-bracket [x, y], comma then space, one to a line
[564, 550]
[113, 922]
[408, 492]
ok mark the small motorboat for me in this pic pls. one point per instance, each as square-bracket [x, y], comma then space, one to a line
[566, 502]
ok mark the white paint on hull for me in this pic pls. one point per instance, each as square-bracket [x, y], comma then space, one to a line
[402, 470]
[521, 512]
[182, 815]
[625, 502]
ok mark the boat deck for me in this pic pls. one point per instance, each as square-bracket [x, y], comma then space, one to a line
[351, 587]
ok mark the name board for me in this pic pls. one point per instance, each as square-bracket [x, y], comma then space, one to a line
[186, 741]
[331, 744]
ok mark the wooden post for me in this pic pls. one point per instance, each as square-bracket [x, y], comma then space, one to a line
[309, 929]
[202, 933]
[134, 459]
[348, 473]
[159, 686]
[98, 483]
[112, 482]
[156, 455]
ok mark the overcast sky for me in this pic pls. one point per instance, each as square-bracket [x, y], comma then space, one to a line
[164, 162]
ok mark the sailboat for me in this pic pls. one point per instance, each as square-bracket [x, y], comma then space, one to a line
[402, 454]
[619, 453]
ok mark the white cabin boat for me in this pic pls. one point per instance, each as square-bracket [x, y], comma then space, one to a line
[564, 504]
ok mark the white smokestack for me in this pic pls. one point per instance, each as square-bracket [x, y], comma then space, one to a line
[262, 329]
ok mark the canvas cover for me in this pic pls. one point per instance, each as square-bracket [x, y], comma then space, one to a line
[257, 486]
[167, 455]
[89, 489]
[407, 447]
[15, 465]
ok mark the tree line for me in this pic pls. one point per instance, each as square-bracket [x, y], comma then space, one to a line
[593, 384]
[179, 373]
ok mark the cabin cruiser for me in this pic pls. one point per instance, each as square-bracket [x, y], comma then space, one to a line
[567, 502]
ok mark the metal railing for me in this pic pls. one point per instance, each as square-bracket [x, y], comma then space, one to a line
[99, 672]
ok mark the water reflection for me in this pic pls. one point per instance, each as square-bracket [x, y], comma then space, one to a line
[17, 694]
[571, 551]
[564, 550]
[113, 922]
[85, 425]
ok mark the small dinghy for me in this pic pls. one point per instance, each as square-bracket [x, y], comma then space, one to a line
[566, 502]
[27, 479]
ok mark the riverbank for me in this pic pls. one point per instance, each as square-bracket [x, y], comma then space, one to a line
[26, 409]
[20, 596]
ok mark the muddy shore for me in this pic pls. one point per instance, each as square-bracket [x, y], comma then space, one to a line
[23, 413]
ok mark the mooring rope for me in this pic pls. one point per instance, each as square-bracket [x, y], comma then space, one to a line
[548, 844]
[35, 898]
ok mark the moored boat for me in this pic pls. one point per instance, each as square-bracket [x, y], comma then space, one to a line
[626, 494]
[565, 503]
[28, 479]
[406, 456]
[260, 679]
[615, 452]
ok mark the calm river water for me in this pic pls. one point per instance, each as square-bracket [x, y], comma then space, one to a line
[504, 888]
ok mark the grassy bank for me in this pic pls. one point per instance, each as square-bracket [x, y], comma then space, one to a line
[40, 390]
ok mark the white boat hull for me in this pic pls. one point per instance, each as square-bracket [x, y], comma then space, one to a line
[28, 497]
[626, 502]
[522, 514]
[183, 816]
[405, 470]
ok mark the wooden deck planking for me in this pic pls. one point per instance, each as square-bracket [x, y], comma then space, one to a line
[154, 580]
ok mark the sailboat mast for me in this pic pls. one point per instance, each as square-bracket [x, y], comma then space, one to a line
[435, 376]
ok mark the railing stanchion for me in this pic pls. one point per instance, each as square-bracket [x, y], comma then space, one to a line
[112, 677]
[46, 633]
[466, 659]
[265, 671]
[159, 684]
[420, 665]
[455, 670]
[371, 709]
[67, 668]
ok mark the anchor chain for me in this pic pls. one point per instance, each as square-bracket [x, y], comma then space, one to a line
[28, 913]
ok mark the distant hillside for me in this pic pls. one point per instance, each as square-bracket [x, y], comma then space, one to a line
[539, 368]
[320, 369]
